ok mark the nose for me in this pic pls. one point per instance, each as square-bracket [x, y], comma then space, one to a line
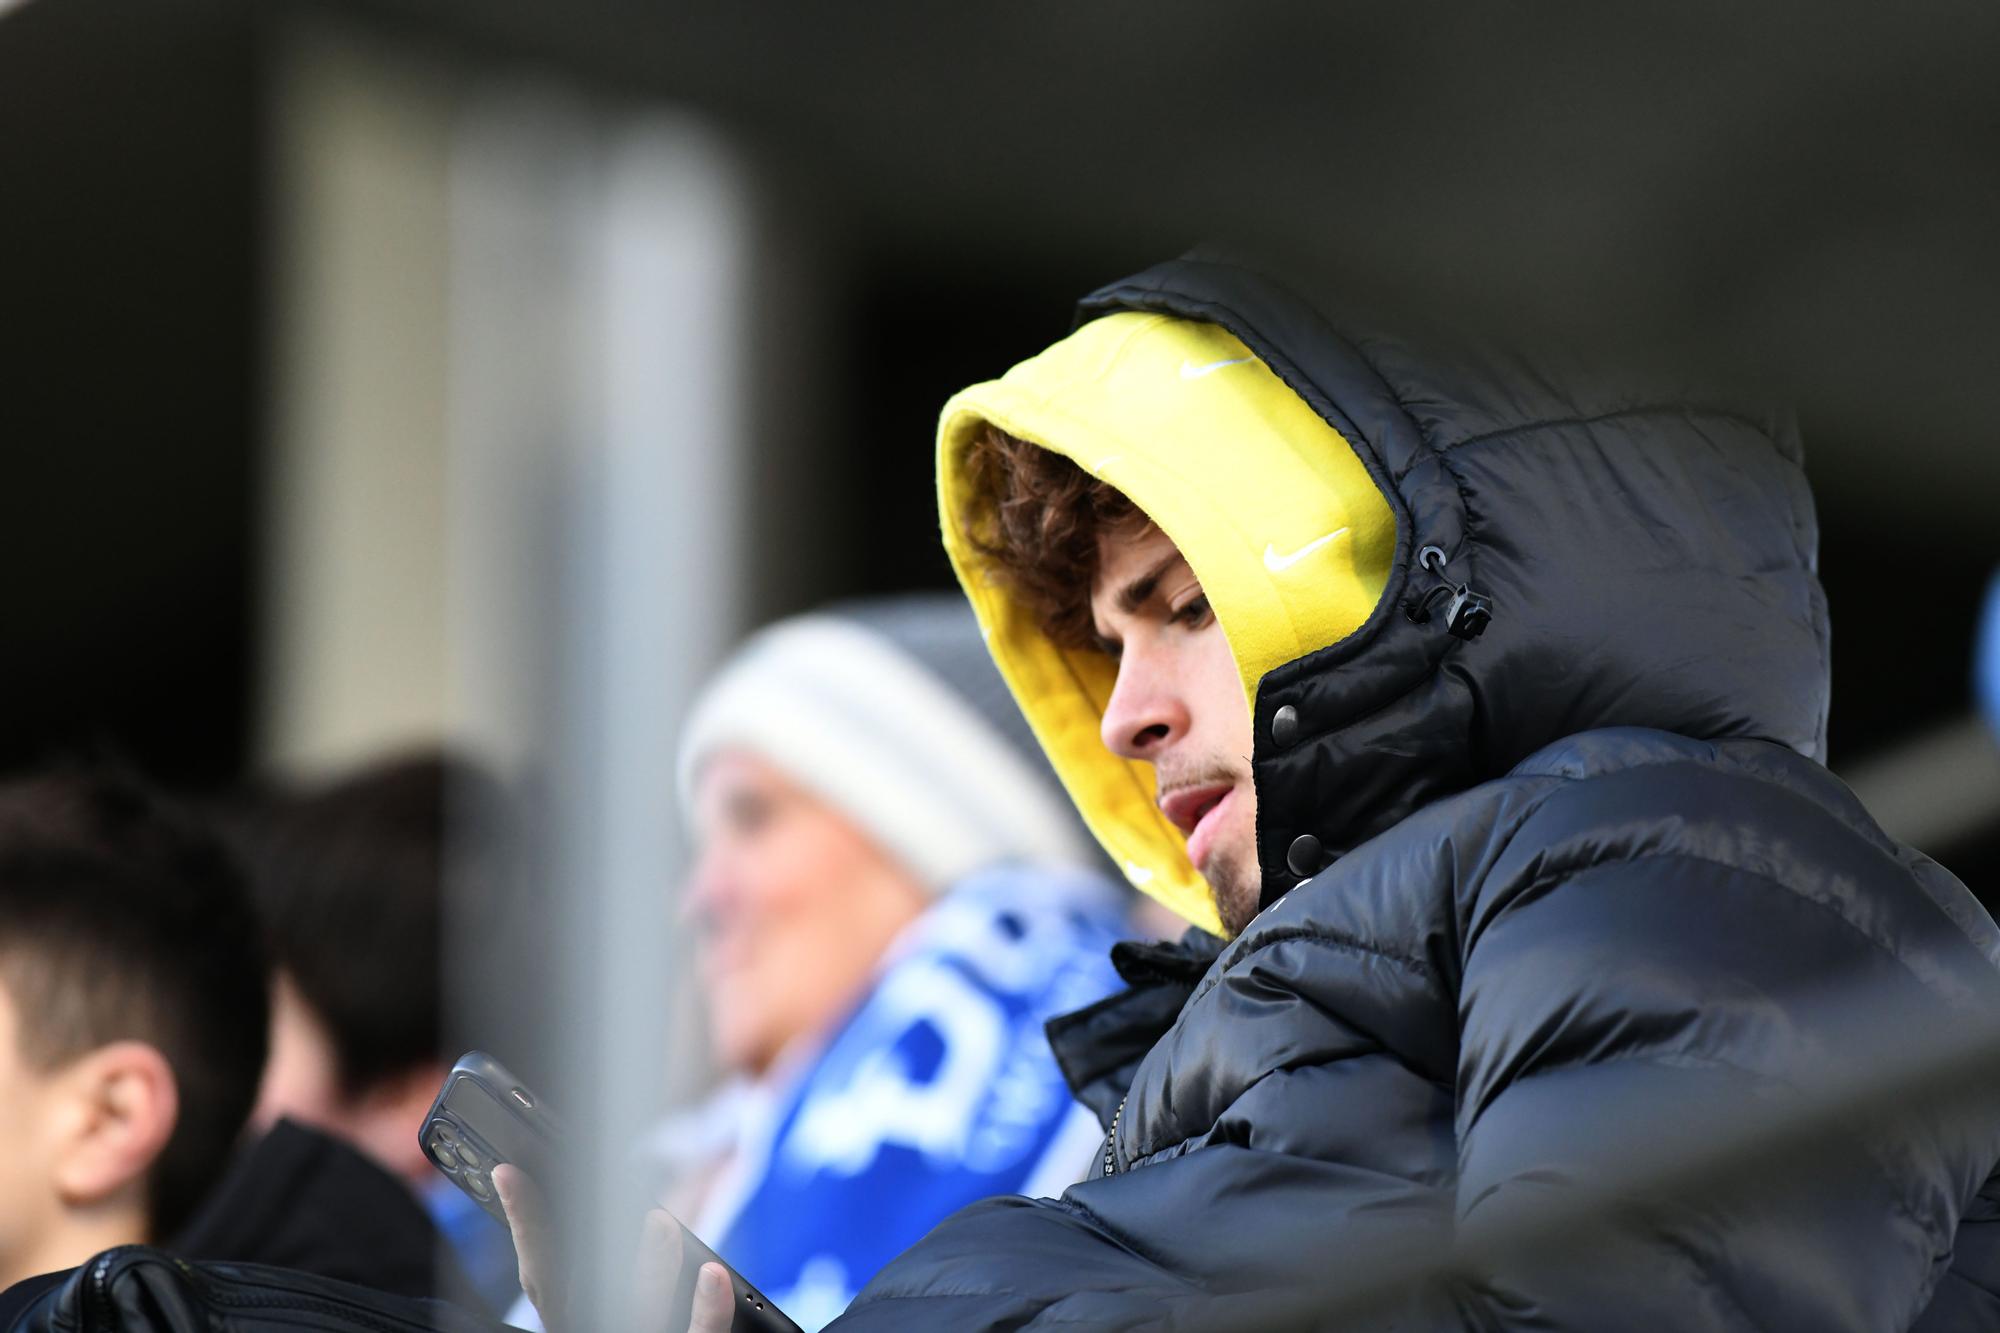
[707, 887]
[1145, 713]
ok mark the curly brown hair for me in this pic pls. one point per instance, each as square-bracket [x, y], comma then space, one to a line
[1034, 518]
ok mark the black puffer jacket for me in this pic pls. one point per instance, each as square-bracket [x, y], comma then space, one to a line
[1594, 910]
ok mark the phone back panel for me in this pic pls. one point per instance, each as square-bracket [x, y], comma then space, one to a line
[484, 1116]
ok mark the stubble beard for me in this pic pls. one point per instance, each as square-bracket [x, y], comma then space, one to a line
[1237, 891]
[1235, 880]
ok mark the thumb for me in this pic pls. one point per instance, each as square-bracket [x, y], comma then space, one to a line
[714, 1304]
[534, 1241]
[659, 1267]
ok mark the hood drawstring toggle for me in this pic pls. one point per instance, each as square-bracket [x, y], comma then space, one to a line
[1468, 612]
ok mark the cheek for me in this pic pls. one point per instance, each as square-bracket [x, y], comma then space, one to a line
[301, 1076]
[783, 925]
[1221, 688]
[781, 882]
[27, 1143]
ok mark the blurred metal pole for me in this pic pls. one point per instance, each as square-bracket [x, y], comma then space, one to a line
[600, 270]
[1935, 790]
[355, 488]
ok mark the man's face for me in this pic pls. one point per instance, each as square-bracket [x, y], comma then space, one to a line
[1179, 706]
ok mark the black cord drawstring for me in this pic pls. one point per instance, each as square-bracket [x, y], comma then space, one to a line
[1468, 612]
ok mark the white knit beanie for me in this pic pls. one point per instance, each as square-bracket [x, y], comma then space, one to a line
[891, 711]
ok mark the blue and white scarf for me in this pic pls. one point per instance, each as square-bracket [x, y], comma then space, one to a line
[939, 1089]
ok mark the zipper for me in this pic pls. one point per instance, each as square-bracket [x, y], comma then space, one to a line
[100, 1287]
[1466, 612]
[1111, 1139]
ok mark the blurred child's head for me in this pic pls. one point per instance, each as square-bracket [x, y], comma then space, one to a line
[132, 1017]
[349, 874]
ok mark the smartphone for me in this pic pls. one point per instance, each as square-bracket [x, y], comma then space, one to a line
[484, 1116]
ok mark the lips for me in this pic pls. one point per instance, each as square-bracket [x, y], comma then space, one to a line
[1196, 812]
[1185, 807]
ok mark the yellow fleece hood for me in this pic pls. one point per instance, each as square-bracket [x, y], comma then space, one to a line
[1276, 516]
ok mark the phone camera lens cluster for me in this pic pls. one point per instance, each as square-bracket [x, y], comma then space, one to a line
[456, 1157]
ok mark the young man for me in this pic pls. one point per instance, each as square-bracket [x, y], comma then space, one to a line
[132, 1019]
[1479, 706]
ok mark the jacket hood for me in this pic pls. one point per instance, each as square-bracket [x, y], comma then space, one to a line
[1291, 541]
[1647, 553]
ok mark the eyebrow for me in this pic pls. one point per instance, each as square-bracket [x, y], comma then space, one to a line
[1134, 595]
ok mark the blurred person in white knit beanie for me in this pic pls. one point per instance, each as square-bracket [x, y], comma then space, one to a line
[892, 895]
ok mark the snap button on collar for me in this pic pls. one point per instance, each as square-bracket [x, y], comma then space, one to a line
[1285, 726]
[1303, 858]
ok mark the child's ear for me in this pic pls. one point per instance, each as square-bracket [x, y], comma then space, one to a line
[120, 1107]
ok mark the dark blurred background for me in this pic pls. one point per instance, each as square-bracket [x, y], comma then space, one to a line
[1807, 195]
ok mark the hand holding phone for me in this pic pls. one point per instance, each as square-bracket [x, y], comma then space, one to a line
[485, 1119]
[664, 1266]
[665, 1280]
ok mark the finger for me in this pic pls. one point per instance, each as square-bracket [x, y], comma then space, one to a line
[534, 1242]
[714, 1308]
[659, 1266]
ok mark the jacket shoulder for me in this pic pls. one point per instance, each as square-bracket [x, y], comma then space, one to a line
[1696, 945]
[1633, 796]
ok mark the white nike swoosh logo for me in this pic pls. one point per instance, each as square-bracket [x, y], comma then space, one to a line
[1190, 371]
[1276, 563]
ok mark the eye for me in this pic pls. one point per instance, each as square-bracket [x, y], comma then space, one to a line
[747, 812]
[1193, 615]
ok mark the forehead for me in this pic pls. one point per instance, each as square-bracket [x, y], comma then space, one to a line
[732, 769]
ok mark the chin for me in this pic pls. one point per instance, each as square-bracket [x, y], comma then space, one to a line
[1234, 884]
[732, 1026]
[739, 1050]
